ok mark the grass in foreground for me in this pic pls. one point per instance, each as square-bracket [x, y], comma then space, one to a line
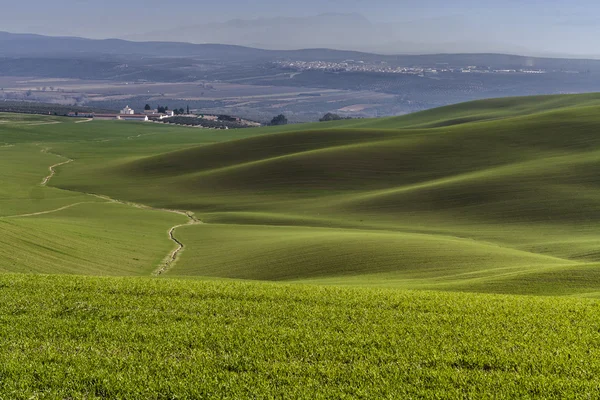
[143, 338]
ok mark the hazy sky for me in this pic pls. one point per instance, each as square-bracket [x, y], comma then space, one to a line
[548, 25]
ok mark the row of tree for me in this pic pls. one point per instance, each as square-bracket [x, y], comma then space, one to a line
[332, 117]
[282, 119]
[219, 124]
[164, 109]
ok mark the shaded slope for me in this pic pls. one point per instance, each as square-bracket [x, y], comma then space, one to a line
[319, 164]
[291, 253]
[220, 155]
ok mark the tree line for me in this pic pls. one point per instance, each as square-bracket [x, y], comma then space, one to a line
[282, 119]
[163, 110]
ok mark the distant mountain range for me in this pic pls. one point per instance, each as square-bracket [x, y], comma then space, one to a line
[339, 31]
[485, 32]
[285, 33]
[38, 45]
[142, 53]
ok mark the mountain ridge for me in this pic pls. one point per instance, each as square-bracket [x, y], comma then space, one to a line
[25, 44]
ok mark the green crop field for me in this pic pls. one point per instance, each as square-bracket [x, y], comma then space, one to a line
[73, 337]
[390, 258]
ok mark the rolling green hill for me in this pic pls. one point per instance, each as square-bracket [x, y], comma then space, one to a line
[480, 196]
[173, 232]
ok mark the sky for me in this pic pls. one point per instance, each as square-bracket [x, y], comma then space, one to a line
[550, 26]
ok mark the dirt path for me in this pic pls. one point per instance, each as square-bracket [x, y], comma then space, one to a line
[49, 211]
[171, 259]
[44, 123]
[84, 121]
[126, 138]
[52, 167]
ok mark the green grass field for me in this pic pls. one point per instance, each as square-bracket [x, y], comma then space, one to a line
[482, 196]
[124, 338]
[390, 258]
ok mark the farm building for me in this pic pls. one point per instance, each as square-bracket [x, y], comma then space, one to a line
[156, 116]
[133, 117]
[127, 111]
[106, 117]
[121, 117]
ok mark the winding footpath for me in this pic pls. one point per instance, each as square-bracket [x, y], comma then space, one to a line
[170, 259]
[52, 169]
[44, 123]
[49, 211]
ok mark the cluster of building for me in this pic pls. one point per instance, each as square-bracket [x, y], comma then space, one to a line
[353, 66]
[127, 114]
[361, 66]
[192, 119]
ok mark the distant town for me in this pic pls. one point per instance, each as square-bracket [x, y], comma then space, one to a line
[384, 67]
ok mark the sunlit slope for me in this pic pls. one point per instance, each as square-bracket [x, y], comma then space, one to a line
[87, 239]
[50, 230]
[22, 170]
[143, 338]
[492, 109]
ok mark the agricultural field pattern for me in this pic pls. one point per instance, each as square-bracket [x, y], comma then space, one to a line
[304, 261]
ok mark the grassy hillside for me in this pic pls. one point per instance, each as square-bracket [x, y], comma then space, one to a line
[517, 176]
[486, 196]
[414, 257]
[141, 338]
[87, 238]
[499, 197]
[491, 109]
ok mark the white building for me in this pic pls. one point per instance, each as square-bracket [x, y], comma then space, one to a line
[106, 117]
[134, 117]
[122, 117]
[127, 111]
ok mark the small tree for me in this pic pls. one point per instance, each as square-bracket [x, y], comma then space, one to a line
[330, 117]
[188, 109]
[279, 120]
[182, 111]
[147, 107]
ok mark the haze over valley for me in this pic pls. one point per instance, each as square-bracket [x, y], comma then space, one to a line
[257, 84]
